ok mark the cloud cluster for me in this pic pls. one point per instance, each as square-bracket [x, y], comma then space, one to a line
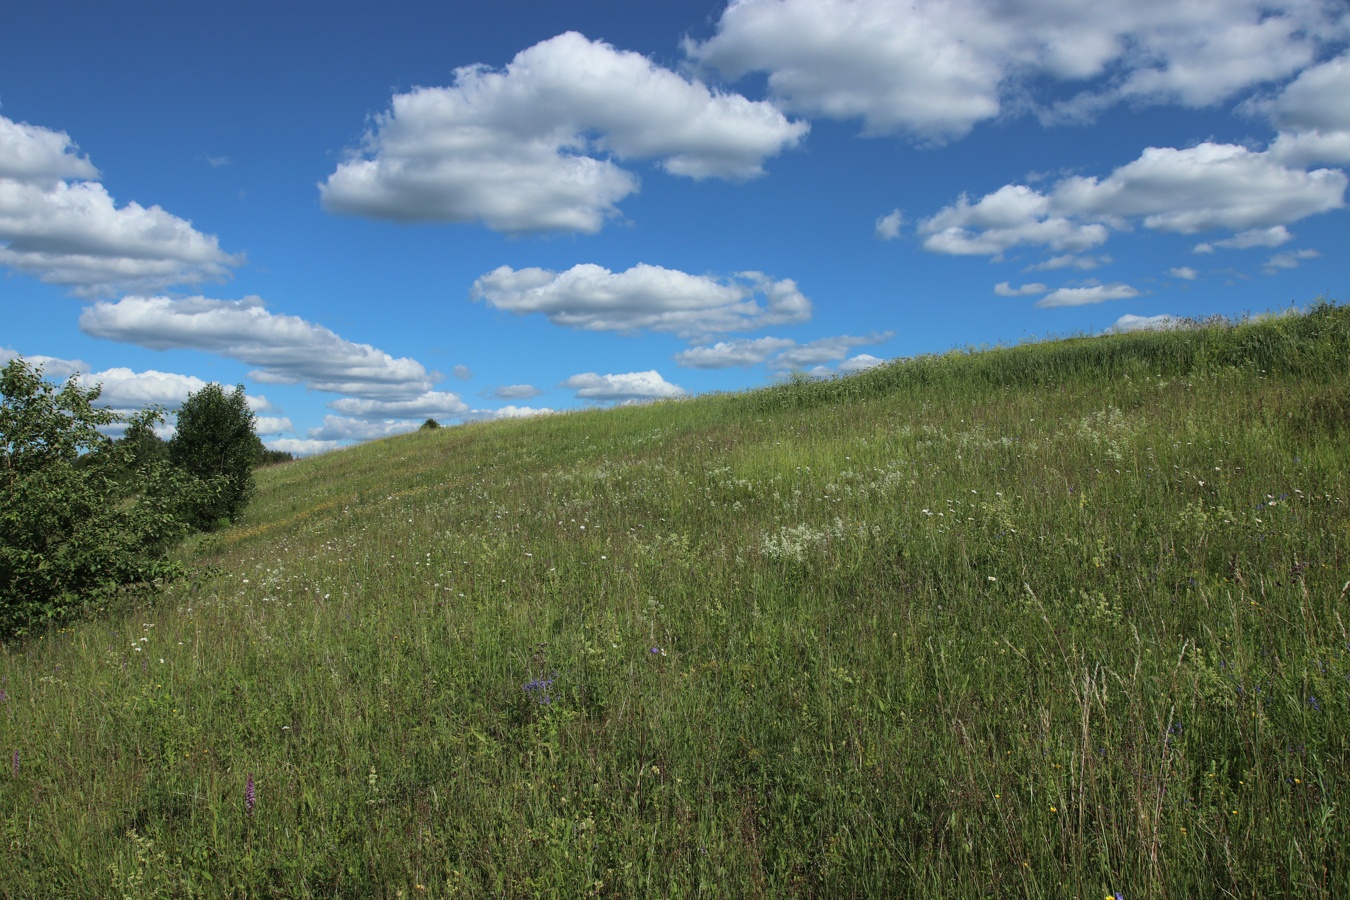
[630, 386]
[934, 68]
[58, 224]
[285, 349]
[532, 147]
[644, 298]
[127, 390]
[1128, 323]
[1087, 295]
[1313, 115]
[780, 354]
[1202, 188]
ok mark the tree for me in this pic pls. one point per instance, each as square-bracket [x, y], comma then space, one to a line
[216, 443]
[73, 528]
[430, 425]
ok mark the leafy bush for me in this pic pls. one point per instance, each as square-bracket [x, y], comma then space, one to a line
[74, 524]
[216, 443]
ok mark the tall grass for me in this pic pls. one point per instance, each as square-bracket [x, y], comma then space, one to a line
[1064, 619]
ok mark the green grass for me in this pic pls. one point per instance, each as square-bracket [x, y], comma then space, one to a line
[1056, 620]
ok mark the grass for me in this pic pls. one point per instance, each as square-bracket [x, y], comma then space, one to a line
[1055, 620]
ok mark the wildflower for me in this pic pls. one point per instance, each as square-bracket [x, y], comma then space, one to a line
[1312, 701]
[250, 797]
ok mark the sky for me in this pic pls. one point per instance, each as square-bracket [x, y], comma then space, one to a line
[373, 214]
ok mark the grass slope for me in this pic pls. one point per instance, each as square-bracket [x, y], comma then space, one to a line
[1064, 619]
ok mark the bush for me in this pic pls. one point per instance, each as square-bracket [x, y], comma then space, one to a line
[216, 443]
[430, 425]
[74, 525]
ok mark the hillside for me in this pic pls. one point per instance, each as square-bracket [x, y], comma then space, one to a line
[1062, 619]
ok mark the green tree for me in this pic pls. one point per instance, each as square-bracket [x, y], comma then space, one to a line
[73, 527]
[216, 443]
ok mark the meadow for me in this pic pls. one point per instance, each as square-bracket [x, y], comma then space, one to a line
[1063, 619]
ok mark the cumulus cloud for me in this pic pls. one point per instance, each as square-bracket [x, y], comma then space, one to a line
[860, 362]
[532, 147]
[1255, 237]
[509, 412]
[1206, 187]
[125, 389]
[1083, 296]
[1313, 115]
[725, 354]
[626, 387]
[1209, 186]
[778, 353]
[268, 425]
[515, 392]
[1014, 214]
[432, 404]
[1291, 260]
[53, 367]
[1186, 273]
[340, 428]
[286, 349]
[888, 226]
[1069, 261]
[1128, 322]
[301, 446]
[1004, 289]
[58, 224]
[934, 68]
[644, 298]
[462, 372]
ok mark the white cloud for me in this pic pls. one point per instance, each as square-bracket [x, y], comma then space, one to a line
[1209, 186]
[509, 412]
[935, 68]
[1127, 323]
[644, 297]
[462, 372]
[340, 428]
[432, 404]
[529, 147]
[1014, 214]
[62, 227]
[888, 226]
[779, 353]
[1004, 289]
[1186, 273]
[860, 362]
[52, 367]
[1255, 237]
[301, 447]
[286, 349]
[1206, 187]
[1082, 296]
[1313, 114]
[1069, 261]
[824, 350]
[515, 392]
[725, 354]
[264, 425]
[1291, 260]
[629, 386]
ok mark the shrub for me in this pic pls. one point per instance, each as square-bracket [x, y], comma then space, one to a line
[216, 443]
[430, 425]
[74, 525]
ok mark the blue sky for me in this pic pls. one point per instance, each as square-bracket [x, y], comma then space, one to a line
[370, 215]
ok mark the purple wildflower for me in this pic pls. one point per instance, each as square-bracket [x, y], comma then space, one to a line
[1312, 701]
[249, 796]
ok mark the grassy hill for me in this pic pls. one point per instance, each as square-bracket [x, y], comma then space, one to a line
[1056, 620]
